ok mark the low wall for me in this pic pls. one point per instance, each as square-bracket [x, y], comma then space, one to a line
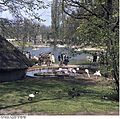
[12, 75]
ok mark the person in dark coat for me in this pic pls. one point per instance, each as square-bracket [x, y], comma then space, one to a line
[62, 56]
[95, 57]
[66, 60]
[60, 60]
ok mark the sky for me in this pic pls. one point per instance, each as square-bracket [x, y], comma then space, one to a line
[45, 14]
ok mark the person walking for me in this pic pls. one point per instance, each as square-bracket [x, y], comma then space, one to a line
[66, 60]
[49, 59]
[52, 58]
[60, 59]
[94, 57]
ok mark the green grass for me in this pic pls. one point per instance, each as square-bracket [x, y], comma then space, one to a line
[53, 96]
[20, 43]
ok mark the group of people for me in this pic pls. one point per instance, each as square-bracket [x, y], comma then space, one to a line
[47, 58]
[63, 59]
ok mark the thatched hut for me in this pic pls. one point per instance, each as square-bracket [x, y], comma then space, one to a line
[13, 64]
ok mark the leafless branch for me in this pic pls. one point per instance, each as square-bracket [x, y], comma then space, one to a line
[84, 7]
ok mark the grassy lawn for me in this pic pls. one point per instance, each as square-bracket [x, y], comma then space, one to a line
[20, 43]
[53, 98]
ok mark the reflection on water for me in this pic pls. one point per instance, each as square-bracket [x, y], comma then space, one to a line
[57, 50]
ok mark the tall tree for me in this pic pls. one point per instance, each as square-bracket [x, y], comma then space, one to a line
[103, 15]
[58, 20]
[55, 19]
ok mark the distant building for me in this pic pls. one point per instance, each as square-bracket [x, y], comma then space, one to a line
[11, 40]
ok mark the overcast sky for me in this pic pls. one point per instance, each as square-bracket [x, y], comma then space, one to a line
[45, 14]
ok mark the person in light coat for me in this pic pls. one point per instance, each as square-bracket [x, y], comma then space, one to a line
[52, 58]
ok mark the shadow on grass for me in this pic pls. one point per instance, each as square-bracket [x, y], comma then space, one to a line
[30, 85]
[29, 102]
[35, 84]
[68, 79]
[81, 82]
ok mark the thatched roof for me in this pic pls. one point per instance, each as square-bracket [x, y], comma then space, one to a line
[11, 57]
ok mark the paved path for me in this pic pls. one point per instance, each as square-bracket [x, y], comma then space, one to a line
[52, 66]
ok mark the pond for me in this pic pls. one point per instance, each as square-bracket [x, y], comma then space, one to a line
[75, 58]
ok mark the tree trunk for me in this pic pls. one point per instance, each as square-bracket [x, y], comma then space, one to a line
[111, 48]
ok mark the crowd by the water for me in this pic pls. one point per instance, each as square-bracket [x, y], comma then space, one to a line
[62, 59]
[49, 58]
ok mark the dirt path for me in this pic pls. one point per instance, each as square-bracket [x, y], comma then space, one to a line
[11, 111]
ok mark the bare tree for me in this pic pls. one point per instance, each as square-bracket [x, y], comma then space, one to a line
[22, 9]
